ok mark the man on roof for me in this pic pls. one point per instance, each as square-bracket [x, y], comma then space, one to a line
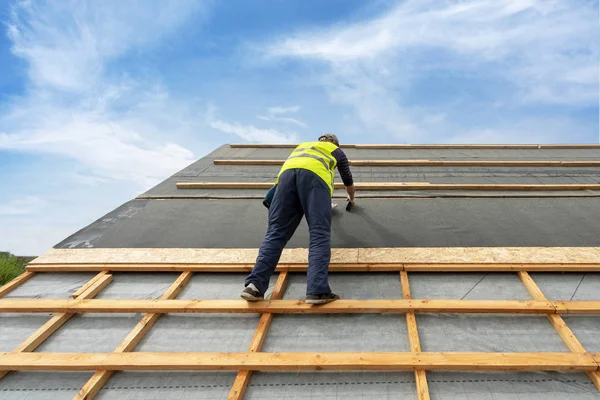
[304, 187]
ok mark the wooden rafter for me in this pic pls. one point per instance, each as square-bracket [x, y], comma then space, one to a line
[559, 324]
[241, 260]
[91, 282]
[243, 377]
[93, 287]
[95, 383]
[15, 283]
[413, 337]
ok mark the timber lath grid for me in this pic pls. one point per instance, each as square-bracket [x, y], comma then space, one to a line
[189, 261]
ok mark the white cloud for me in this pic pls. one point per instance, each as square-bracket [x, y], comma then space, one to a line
[293, 121]
[275, 112]
[86, 105]
[283, 110]
[287, 120]
[67, 44]
[546, 50]
[76, 107]
[109, 146]
[491, 29]
[250, 133]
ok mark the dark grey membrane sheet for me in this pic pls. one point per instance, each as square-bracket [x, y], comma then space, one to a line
[435, 222]
[225, 152]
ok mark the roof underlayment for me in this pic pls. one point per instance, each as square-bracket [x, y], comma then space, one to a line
[215, 218]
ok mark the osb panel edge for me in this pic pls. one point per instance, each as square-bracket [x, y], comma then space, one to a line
[434, 255]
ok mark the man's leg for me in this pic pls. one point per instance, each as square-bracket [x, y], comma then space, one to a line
[285, 215]
[316, 202]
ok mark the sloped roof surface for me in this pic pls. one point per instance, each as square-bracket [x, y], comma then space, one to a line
[454, 218]
[215, 218]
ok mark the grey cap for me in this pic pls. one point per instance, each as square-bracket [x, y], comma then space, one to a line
[329, 137]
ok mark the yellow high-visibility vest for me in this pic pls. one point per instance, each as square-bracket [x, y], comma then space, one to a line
[315, 157]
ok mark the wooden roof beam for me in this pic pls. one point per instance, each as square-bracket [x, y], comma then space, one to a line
[146, 361]
[299, 307]
[377, 186]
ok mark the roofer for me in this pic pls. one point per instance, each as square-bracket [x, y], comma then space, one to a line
[304, 187]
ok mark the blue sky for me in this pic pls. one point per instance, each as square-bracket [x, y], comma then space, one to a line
[100, 100]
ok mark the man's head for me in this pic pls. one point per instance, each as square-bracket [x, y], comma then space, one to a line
[329, 137]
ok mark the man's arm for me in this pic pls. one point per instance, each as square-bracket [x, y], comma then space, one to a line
[350, 190]
[343, 167]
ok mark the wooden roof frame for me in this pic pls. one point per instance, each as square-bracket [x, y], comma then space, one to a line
[106, 261]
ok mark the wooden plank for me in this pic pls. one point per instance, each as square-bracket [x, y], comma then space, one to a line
[426, 146]
[32, 343]
[575, 307]
[556, 320]
[361, 267]
[296, 306]
[566, 334]
[243, 377]
[430, 163]
[481, 255]
[413, 338]
[559, 324]
[96, 287]
[99, 282]
[245, 161]
[261, 331]
[274, 146]
[477, 146]
[450, 257]
[15, 283]
[182, 267]
[413, 333]
[472, 163]
[499, 267]
[99, 379]
[138, 332]
[333, 268]
[397, 195]
[143, 361]
[531, 286]
[405, 286]
[405, 186]
[89, 283]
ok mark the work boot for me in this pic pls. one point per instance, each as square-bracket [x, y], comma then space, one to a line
[251, 293]
[321, 298]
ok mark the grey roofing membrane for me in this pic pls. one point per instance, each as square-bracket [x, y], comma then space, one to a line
[435, 222]
[204, 170]
[226, 152]
[375, 222]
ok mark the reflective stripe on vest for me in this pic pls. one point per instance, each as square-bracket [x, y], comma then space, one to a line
[302, 157]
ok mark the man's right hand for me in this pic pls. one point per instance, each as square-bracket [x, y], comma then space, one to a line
[350, 190]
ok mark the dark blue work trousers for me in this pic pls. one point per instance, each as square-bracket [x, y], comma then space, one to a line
[299, 192]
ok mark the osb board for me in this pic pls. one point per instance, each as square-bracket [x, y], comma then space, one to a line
[482, 255]
[430, 255]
